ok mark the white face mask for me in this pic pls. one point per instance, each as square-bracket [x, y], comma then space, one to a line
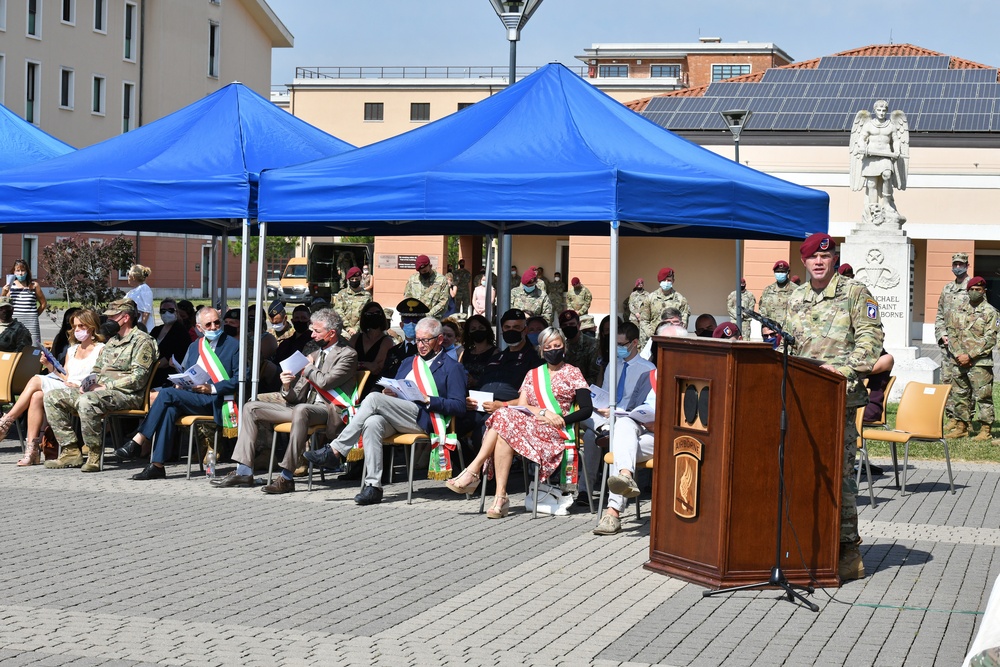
[666, 284]
[167, 318]
[280, 326]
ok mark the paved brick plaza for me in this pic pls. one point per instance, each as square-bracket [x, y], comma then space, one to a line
[101, 570]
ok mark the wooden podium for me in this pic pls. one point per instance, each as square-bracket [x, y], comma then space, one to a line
[715, 482]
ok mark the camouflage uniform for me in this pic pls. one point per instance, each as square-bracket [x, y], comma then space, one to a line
[535, 303]
[633, 306]
[654, 306]
[541, 285]
[578, 298]
[123, 367]
[972, 330]
[774, 299]
[432, 291]
[582, 353]
[288, 332]
[840, 326]
[557, 295]
[462, 279]
[749, 302]
[953, 295]
[349, 303]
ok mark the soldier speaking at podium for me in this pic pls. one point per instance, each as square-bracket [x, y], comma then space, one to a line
[836, 321]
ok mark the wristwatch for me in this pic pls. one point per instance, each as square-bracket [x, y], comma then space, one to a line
[541, 413]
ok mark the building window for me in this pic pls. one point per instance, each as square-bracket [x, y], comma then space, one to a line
[31, 92]
[612, 71]
[128, 107]
[3, 15]
[420, 111]
[35, 19]
[464, 105]
[374, 111]
[69, 11]
[98, 96]
[720, 72]
[100, 16]
[213, 49]
[130, 31]
[66, 79]
[669, 71]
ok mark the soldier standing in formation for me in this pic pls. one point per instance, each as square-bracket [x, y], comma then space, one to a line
[971, 329]
[578, 297]
[581, 350]
[953, 295]
[837, 321]
[540, 283]
[749, 302]
[428, 287]
[462, 279]
[775, 296]
[530, 299]
[557, 293]
[350, 301]
[661, 299]
[633, 304]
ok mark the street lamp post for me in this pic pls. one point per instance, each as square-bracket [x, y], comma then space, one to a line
[514, 14]
[736, 120]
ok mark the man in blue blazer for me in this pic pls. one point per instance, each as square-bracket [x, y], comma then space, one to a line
[386, 414]
[220, 358]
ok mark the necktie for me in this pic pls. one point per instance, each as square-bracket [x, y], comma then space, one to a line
[621, 384]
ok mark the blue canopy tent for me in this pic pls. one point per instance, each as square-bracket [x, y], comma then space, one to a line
[549, 153]
[21, 143]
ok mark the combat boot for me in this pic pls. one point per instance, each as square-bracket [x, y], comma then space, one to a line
[961, 430]
[950, 424]
[93, 463]
[984, 433]
[69, 457]
[851, 566]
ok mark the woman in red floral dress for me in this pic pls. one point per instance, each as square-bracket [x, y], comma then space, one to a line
[533, 426]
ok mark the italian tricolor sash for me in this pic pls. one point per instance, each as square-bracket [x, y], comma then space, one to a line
[569, 468]
[213, 366]
[349, 402]
[442, 442]
[652, 381]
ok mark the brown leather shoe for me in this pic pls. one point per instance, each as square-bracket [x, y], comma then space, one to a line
[232, 479]
[280, 485]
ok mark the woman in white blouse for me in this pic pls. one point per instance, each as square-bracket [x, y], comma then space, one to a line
[141, 294]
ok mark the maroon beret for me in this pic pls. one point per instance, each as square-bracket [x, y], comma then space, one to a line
[815, 243]
[780, 265]
[639, 282]
[743, 282]
[978, 281]
[422, 261]
[844, 268]
[664, 273]
[568, 316]
[528, 276]
[574, 282]
[353, 271]
[795, 279]
[726, 330]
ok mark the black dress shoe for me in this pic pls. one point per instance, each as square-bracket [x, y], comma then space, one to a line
[128, 451]
[151, 472]
[370, 495]
[325, 456]
[232, 479]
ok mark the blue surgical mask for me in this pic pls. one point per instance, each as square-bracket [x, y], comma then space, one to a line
[622, 351]
[780, 276]
[212, 334]
[21, 276]
[773, 340]
[533, 339]
[666, 284]
[410, 330]
[957, 270]
[528, 289]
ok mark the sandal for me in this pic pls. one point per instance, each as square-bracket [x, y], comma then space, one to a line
[5, 424]
[32, 454]
[464, 488]
[500, 508]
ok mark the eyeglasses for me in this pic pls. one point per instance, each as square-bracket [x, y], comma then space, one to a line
[427, 341]
[214, 324]
[167, 310]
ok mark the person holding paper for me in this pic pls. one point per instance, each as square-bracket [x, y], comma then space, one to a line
[310, 395]
[441, 381]
[172, 341]
[216, 354]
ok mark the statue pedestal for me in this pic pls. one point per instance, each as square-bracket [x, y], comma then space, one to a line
[883, 260]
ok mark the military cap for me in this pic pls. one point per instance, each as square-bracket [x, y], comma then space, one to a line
[528, 277]
[978, 281]
[412, 308]
[664, 273]
[587, 322]
[845, 269]
[5, 301]
[726, 330]
[639, 282]
[574, 282]
[121, 306]
[232, 314]
[820, 241]
[277, 307]
[422, 261]
[743, 282]
[780, 265]
[513, 314]
[962, 257]
[353, 271]
[568, 315]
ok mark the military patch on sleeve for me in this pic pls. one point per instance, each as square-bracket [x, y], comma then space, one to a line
[871, 306]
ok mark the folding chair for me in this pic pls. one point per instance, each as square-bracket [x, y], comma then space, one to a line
[112, 419]
[190, 422]
[609, 460]
[16, 368]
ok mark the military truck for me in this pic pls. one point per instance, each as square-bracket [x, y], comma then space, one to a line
[323, 271]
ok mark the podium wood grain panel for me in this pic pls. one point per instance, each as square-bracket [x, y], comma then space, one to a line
[731, 539]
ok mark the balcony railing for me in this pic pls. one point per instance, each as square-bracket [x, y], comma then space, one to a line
[411, 72]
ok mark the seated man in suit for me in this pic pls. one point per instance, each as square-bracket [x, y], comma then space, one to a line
[122, 372]
[218, 355]
[311, 397]
[441, 380]
[410, 312]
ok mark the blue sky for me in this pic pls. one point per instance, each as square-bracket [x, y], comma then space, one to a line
[467, 32]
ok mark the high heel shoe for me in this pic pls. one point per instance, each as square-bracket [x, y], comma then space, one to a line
[32, 454]
[500, 508]
[5, 424]
[464, 488]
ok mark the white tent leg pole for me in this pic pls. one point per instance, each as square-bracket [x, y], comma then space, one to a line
[244, 301]
[262, 231]
[613, 345]
[503, 276]
[224, 278]
[489, 278]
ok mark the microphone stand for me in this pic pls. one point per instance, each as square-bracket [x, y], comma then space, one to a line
[777, 578]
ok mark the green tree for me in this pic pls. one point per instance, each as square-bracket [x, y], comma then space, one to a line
[275, 247]
[82, 269]
[358, 239]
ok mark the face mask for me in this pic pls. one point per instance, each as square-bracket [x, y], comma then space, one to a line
[212, 334]
[781, 276]
[168, 318]
[6, 315]
[528, 289]
[410, 330]
[554, 357]
[513, 272]
[110, 329]
[483, 282]
[81, 335]
[975, 297]
[479, 336]
[229, 329]
[23, 276]
[300, 327]
[622, 351]
[430, 355]
[773, 340]
[279, 327]
[571, 332]
[364, 271]
[533, 339]
[666, 284]
[354, 283]
[957, 270]
[512, 337]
